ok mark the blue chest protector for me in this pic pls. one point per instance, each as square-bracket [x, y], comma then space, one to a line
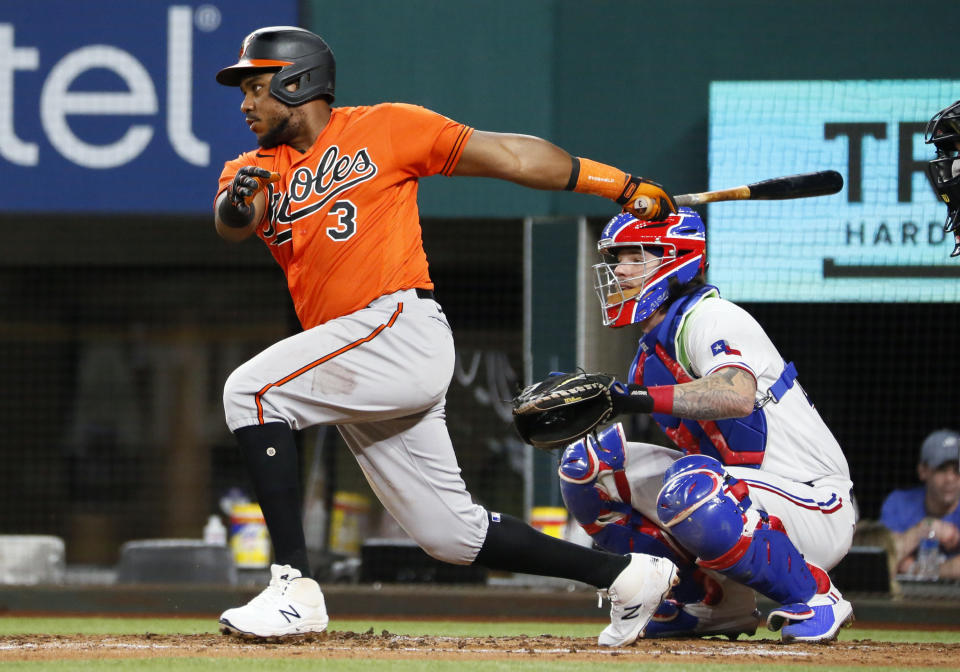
[734, 441]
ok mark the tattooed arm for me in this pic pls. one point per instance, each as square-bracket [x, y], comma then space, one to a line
[726, 393]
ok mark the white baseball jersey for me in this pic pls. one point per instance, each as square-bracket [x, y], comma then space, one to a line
[803, 479]
[800, 447]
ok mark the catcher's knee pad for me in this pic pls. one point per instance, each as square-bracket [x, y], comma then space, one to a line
[700, 507]
[592, 479]
[688, 463]
[697, 508]
[611, 446]
[580, 467]
[596, 492]
[692, 462]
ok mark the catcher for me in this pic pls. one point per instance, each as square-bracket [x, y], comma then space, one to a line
[757, 496]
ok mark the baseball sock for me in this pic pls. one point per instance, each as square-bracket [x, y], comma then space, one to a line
[513, 546]
[271, 456]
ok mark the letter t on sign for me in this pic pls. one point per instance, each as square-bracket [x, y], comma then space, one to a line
[855, 131]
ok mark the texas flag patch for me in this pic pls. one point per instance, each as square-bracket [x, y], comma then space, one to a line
[722, 348]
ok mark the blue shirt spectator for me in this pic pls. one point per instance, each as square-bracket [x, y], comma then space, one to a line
[912, 514]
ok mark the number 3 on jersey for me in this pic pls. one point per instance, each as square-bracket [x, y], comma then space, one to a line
[346, 224]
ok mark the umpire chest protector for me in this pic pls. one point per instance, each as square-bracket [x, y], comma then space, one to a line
[734, 441]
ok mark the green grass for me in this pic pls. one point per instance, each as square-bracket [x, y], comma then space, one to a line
[10, 625]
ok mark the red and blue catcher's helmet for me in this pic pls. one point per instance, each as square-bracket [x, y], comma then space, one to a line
[669, 252]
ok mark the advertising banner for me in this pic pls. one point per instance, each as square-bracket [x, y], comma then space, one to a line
[112, 106]
[879, 239]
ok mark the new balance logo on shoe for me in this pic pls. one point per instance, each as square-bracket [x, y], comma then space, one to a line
[634, 597]
[293, 613]
[291, 605]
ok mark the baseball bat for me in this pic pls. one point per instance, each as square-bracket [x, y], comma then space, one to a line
[805, 185]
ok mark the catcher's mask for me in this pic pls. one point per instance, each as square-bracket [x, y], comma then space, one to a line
[642, 259]
[295, 54]
[943, 131]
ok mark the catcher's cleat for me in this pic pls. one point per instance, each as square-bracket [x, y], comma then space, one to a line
[830, 613]
[788, 613]
[634, 597]
[290, 605]
[697, 620]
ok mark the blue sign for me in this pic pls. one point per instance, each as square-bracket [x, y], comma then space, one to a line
[880, 239]
[112, 105]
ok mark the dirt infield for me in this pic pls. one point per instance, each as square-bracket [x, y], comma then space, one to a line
[387, 646]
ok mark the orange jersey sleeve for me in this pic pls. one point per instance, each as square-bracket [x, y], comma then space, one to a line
[428, 145]
[343, 221]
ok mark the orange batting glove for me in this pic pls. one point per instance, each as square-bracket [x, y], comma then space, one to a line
[642, 198]
[645, 199]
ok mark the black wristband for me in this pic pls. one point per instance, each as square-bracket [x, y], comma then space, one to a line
[637, 400]
[232, 216]
[574, 174]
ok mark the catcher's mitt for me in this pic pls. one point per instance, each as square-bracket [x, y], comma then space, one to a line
[563, 408]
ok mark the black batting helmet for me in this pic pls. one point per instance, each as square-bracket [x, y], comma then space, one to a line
[295, 54]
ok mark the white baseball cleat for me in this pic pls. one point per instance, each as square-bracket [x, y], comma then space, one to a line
[634, 597]
[291, 605]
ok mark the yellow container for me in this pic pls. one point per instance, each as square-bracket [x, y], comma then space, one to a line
[249, 539]
[550, 520]
[350, 521]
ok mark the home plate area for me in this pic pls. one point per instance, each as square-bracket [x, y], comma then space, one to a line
[385, 645]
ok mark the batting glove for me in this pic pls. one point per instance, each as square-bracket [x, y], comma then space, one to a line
[236, 210]
[645, 199]
[248, 181]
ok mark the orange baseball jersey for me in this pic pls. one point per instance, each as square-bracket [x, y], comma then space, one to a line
[343, 221]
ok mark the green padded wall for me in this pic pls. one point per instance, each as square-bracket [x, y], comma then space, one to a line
[625, 82]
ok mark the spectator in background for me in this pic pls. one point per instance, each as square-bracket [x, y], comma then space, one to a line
[913, 514]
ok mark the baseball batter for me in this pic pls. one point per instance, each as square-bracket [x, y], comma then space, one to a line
[332, 192]
[759, 492]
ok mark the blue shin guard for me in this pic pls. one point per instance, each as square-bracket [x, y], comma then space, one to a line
[700, 506]
[771, 565]
[595, 490]
[605, 511]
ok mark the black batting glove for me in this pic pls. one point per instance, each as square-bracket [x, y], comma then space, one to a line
[246, 183]
[237, 209]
